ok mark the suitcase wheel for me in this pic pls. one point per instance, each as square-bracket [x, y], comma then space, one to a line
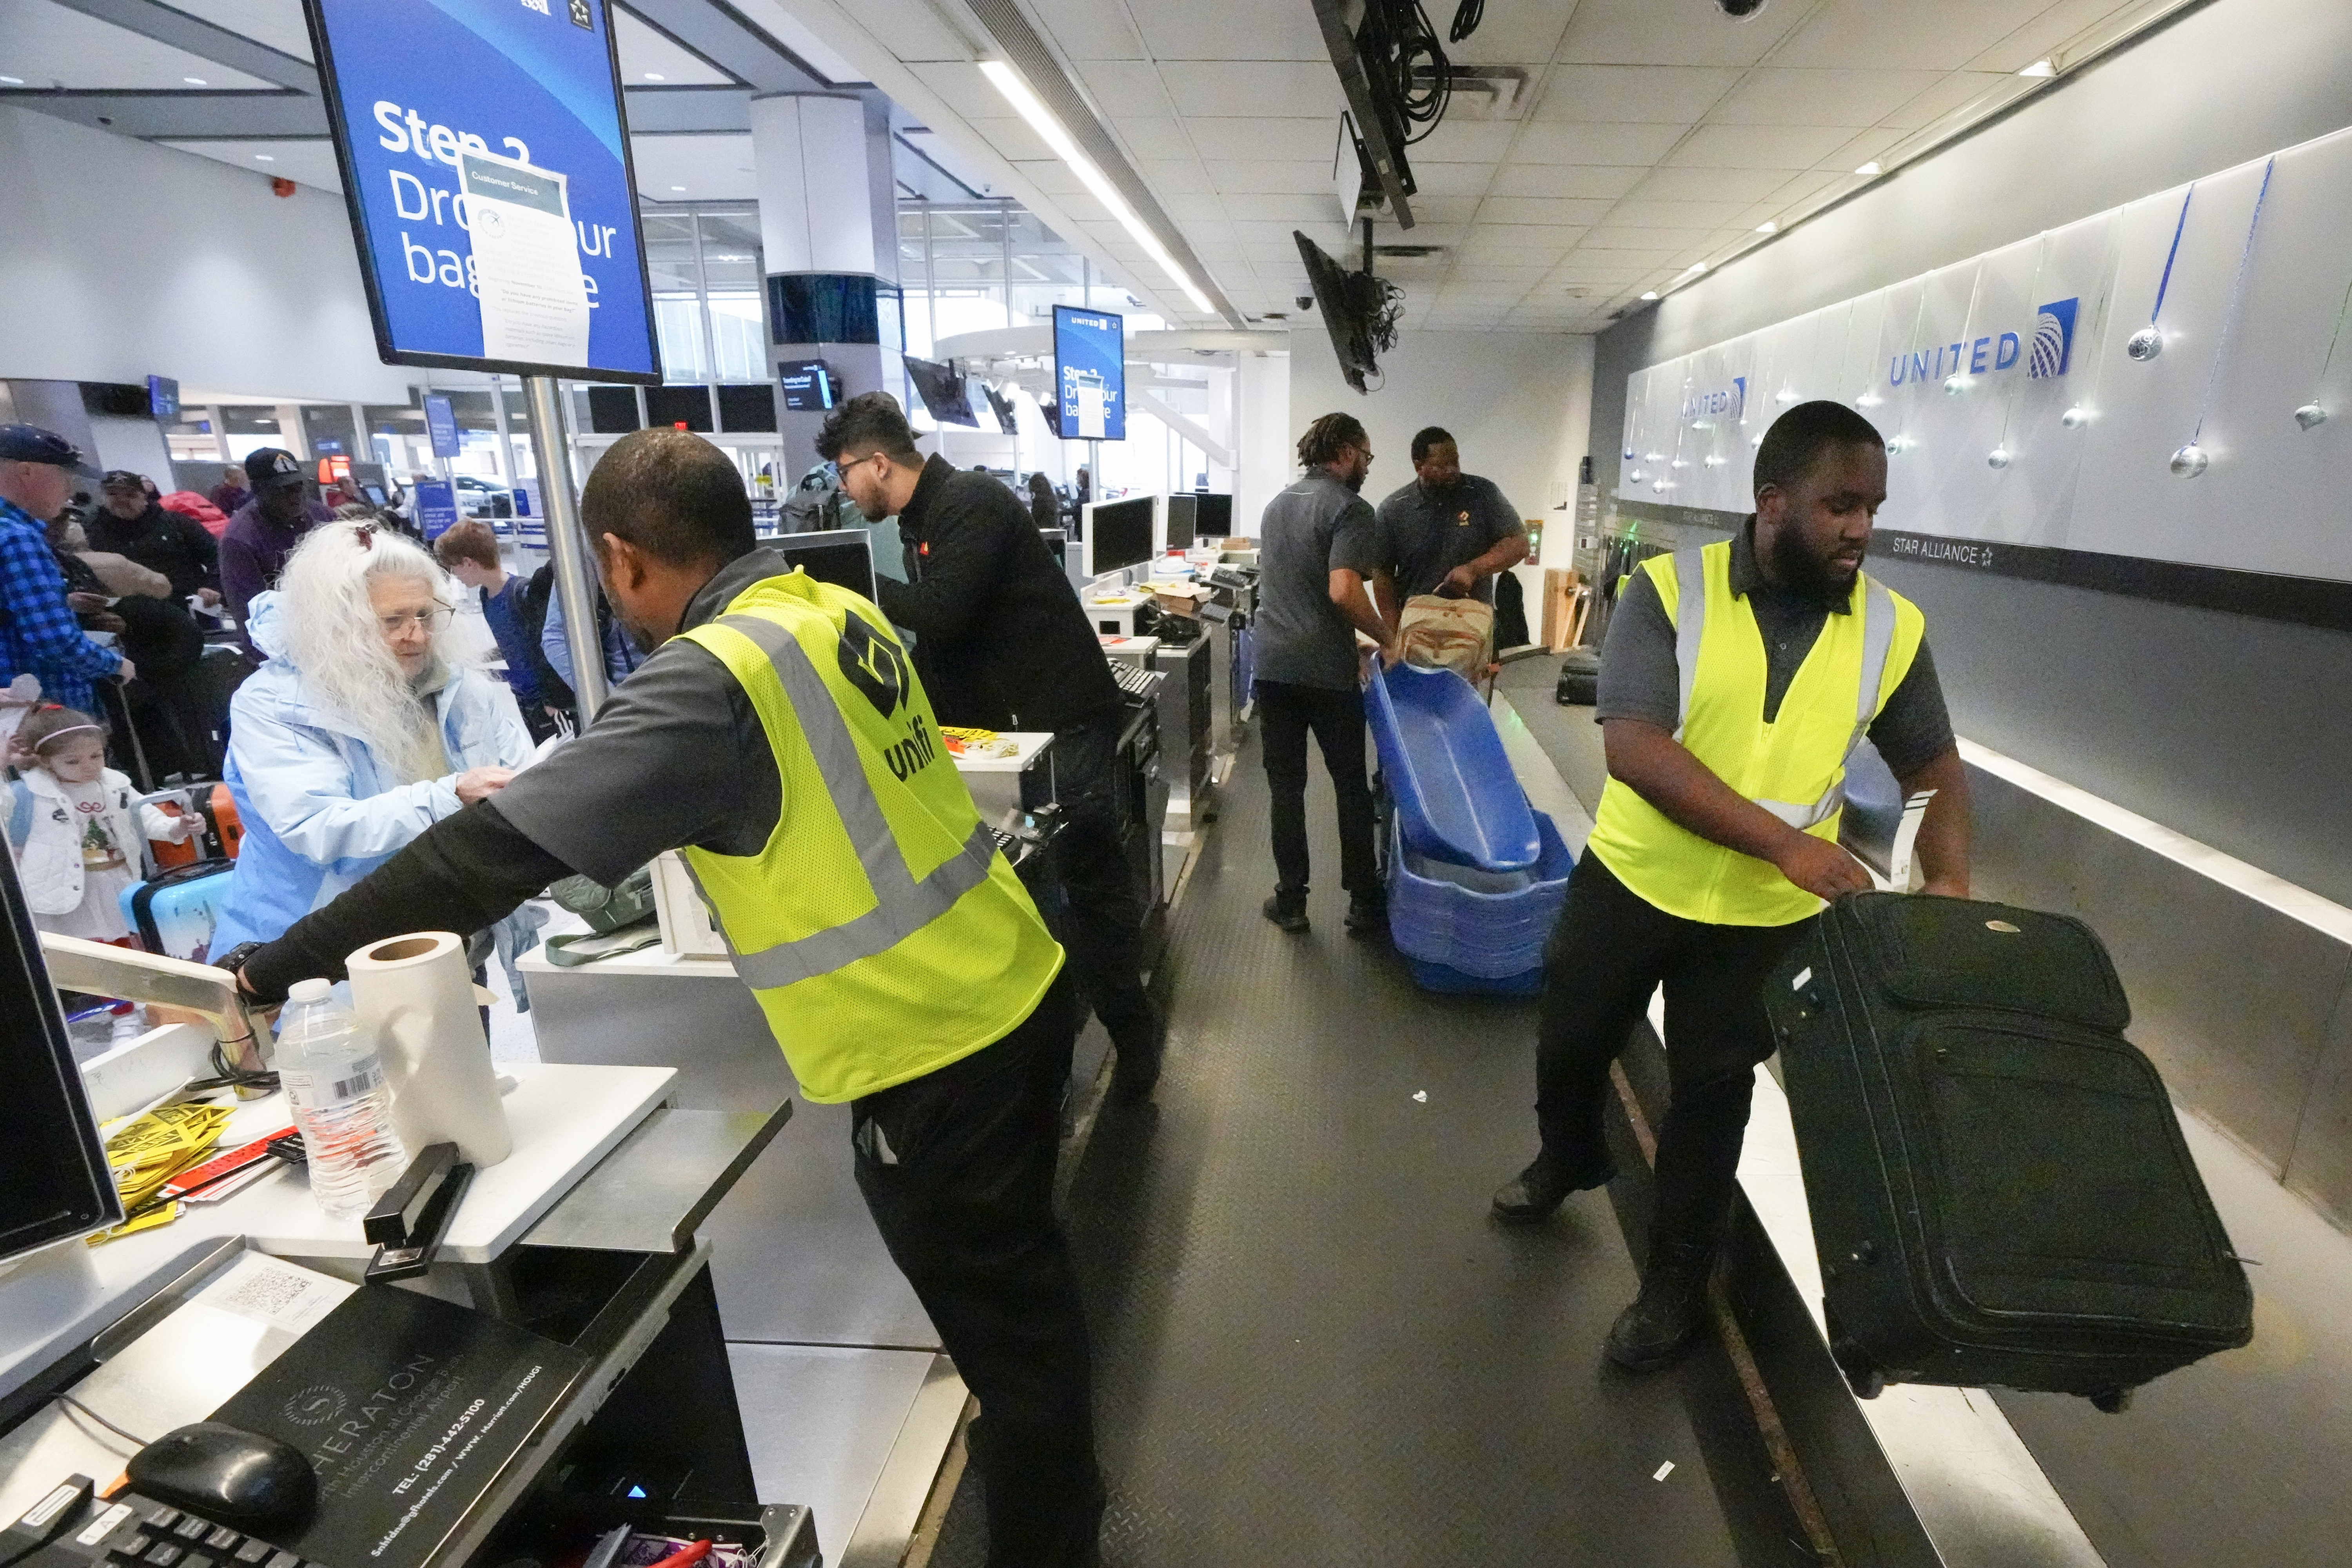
[1861, 1374]
[2113, 1401]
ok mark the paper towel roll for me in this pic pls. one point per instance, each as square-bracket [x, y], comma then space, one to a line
[416, 995]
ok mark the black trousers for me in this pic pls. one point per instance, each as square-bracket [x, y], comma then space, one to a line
[1104, 931]
[1610, 951]
[1287, 714]
[957, 1168]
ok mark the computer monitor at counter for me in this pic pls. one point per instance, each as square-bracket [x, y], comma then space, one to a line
[58, 1186]
[842, 557]
[1119, 533]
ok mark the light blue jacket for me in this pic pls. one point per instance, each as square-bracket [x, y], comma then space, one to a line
[317, 810]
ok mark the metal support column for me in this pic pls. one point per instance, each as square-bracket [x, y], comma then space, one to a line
[567, 545]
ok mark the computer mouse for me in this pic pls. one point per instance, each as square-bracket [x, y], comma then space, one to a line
[225, 1475]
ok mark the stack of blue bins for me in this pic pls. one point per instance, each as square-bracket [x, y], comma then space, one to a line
[1476, 875]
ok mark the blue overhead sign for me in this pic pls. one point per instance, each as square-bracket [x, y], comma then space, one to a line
[441, 424]
[1090, 374]
[486, 163]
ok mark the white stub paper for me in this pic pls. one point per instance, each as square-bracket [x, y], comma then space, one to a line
[526, 261]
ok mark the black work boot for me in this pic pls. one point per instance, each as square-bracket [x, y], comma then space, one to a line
[1288, 910]
[1670, 1314]
[1140, 1048]
[1367, 912]
[1536, 1193]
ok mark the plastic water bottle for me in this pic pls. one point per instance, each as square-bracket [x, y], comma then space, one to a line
[332, 1075]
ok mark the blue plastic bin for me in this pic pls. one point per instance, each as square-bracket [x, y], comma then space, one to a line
[1483, 925]
[1456, 798]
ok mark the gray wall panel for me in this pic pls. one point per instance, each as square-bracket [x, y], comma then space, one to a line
[2228, 729]
[2231, 1000]
[2321, 1169]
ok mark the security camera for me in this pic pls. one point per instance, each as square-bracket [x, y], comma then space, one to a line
[1306, 301]
[1741, 9]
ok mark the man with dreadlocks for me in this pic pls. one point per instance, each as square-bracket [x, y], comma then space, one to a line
[357, 734]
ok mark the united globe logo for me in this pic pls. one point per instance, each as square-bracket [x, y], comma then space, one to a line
[2050, 353]
[2054, 339]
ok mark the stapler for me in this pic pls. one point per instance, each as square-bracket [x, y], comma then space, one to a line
[410, 1221]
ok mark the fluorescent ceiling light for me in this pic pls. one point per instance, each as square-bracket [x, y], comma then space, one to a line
[195, 81]
[1869, 168]
[656, 76]
[1016, 92]
[1695, 267]
[1768, 226]
[2040, 67]
[264, 158]
[12, 82]
[1651, 295]
[677, 187]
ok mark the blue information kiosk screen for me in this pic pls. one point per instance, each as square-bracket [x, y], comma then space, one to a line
[415, 87]
[1090, 372]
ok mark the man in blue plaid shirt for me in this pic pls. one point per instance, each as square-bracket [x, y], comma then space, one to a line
[38, 634]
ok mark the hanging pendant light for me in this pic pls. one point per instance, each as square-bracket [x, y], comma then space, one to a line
[2189, 461]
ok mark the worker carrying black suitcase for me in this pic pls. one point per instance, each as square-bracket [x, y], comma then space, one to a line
[2000, 1194]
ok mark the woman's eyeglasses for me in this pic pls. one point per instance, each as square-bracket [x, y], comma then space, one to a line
[429, 621]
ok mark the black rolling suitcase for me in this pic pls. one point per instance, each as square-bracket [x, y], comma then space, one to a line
[2000, 1194]
[1580, 679]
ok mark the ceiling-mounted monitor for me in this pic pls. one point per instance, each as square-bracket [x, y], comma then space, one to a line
[486, 165]
[1356, 311]
[943, 391]
[1119, 533]
[809, 387]
[1002, 407]
[1090, 374]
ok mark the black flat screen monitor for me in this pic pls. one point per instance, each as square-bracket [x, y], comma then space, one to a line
[842, 557]
[943, 391]
[1119, 533]
[54, 1183]
[809, 387]
[1339, 297]
[1213, 516]
[1002, 407]
[687, 405]
[1182, 517]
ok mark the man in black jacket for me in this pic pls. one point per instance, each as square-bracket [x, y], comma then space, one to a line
[1002, 644]
[130, 523]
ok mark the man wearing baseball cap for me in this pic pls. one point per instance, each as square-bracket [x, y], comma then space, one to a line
[263, 534]
[133, 523]
[38, 632]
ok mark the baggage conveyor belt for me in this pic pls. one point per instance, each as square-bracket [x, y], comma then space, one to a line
[1312, 1346]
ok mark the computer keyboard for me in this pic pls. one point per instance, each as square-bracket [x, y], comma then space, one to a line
[135, 1532]
[1134, 679]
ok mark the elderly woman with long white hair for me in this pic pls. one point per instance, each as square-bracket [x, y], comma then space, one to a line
[357, 734]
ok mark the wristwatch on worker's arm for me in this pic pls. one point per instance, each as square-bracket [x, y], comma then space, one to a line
[235, 960]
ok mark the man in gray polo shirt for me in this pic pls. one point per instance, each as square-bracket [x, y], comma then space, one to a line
[1317, 548]
[1447, 531]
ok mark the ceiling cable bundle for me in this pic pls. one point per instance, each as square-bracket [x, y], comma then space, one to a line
[1408, 62]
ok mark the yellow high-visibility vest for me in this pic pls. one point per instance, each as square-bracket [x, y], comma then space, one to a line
[1794, 767]
[883, 934]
